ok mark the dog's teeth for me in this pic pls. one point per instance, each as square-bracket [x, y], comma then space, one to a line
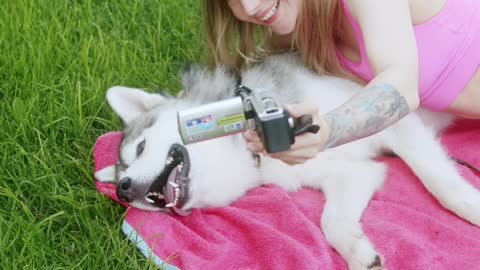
[154, 194]
[172, 204]
[173, 184]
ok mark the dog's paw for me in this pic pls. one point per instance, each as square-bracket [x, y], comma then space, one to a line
[363, 256]
[373, 263]
[469, 209]
[465, 203]
[376, 264]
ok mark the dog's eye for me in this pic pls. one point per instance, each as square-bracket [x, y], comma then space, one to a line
[140, 148]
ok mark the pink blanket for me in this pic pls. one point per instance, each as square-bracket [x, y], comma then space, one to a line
[272, 229]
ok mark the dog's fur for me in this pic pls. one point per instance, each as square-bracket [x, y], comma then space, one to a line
[347, 175]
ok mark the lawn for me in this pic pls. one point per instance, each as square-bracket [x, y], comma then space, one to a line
[57, 58]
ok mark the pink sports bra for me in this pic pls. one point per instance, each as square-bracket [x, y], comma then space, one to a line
[448, 48]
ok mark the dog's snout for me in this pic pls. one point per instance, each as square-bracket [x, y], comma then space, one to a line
[124, 193]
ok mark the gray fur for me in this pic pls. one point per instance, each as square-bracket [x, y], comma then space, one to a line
[202, 85]
[275, 74]
[135, 129]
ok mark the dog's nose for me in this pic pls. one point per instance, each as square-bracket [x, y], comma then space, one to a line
[124, 192]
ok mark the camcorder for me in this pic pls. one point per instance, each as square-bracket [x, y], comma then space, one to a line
[255, 110]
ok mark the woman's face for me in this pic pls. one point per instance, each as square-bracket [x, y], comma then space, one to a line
[279, 15]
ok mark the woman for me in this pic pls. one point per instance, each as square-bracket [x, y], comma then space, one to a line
[408, 53]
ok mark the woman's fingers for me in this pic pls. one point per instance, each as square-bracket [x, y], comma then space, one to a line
[301, 109]
[251, 137]
[254, 144]
[306, 146]
[307, 140]
[296, 156]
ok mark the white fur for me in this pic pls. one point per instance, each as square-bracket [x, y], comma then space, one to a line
[222, 169]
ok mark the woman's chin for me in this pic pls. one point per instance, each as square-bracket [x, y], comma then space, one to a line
[282, 30]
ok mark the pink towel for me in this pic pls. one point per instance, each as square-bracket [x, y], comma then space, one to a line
[272, 229]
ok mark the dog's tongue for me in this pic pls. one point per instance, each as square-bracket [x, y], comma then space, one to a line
[176, 192]
[170, 189]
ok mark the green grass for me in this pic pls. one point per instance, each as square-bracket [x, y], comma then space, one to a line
[57, 58]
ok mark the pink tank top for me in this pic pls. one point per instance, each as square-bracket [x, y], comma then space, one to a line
[448, 48]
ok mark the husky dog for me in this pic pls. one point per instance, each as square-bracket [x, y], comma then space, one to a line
[146, 159]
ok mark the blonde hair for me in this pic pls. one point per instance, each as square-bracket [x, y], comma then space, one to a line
[230, 41]
[234, 43]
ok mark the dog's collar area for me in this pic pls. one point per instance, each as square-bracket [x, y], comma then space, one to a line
[170, 189]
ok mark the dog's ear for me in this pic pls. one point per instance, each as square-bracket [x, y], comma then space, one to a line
[106, 174]
[129, 103]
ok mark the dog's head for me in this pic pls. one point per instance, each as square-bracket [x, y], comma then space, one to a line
[149, 134]
[155, 171]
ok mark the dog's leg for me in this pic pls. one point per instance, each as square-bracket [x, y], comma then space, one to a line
[348, 185]
[348, 193]
[422, 151]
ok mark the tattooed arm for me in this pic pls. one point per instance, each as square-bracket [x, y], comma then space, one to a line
[370, 111]
[392, 54]
[373, 109]
[367, 113]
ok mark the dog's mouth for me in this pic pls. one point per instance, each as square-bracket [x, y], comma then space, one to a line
[170, 189]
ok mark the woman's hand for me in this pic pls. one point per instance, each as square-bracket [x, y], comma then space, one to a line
[306, 146]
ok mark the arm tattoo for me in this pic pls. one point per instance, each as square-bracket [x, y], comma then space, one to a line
[367, 113]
